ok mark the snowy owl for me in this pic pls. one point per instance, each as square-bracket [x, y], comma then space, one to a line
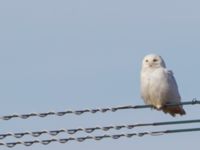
[158, 85]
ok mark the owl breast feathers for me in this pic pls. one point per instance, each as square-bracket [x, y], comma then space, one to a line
[158, 85]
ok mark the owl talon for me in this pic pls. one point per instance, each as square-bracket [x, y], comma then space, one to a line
[159, 107]
[154, 107]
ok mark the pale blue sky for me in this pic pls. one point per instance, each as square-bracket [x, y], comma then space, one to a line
[57, 55]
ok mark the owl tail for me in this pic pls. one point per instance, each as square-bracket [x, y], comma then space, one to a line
[173, 110]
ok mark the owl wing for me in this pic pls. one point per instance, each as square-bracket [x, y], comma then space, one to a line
[173, 96]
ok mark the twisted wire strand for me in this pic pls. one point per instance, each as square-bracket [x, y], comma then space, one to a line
[97, 138]
[92, 111]
[92, 129]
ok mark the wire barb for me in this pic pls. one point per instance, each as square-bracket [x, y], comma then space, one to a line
[92, 129]
[97, 138]
[92, 111]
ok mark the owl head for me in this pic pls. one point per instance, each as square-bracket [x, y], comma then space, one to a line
[153, 61]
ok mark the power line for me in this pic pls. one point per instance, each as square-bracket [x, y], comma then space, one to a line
[92, 129]
[92, 111]
[97, 138]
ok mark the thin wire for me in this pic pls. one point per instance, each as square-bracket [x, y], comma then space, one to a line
[92, 129]
[92, 111]
[97, 138]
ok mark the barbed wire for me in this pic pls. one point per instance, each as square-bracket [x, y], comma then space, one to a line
[92, 129]
[97, 138]
[92, 111]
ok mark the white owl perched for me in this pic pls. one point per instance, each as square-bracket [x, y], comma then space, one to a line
[158, 85]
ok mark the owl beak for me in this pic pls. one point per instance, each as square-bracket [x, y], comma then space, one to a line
[150, 65]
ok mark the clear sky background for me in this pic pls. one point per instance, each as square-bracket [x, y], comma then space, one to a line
[76, 54]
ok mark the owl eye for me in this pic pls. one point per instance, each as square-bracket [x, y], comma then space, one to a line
[146, 60]
[155, 60]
